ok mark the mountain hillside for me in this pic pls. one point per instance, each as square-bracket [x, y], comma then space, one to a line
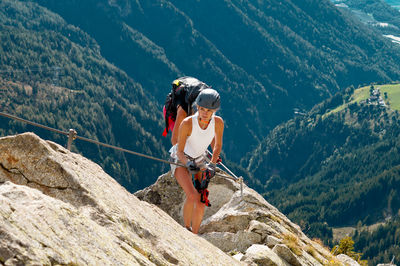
[104, 68]
[378, 14]
[337, 165]
[393, 3]
[279, 55]
[53, 73]
[57, 207]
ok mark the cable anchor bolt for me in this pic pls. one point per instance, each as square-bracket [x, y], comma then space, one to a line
[71, 137]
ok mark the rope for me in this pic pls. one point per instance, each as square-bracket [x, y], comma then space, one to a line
[33, 123]
[88, 140]
[128, 151]
[72, 135]
[233, 176]
[226, 168]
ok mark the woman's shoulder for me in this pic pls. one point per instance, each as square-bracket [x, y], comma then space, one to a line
[218, 120]
[187, 121]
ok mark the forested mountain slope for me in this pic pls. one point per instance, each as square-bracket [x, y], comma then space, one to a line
[117, 59]
[85, 93]
[264, 57]
[377, 14]
[393, 3]
[381, 245]
[337, 165]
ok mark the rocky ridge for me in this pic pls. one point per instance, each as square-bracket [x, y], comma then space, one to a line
[244, 224]
[57, 207]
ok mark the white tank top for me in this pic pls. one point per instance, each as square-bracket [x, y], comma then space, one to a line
[198, 142]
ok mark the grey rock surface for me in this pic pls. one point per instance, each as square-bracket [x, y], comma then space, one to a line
[57, 207]
[238, 221]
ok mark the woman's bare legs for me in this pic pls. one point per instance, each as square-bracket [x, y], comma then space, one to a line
[197, 216]
[193, 209]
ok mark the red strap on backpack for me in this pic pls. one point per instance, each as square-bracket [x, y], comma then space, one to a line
[171, 123]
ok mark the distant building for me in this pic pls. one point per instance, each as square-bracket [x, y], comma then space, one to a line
[375, 98]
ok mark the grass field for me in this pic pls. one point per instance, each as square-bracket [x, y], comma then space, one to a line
[393, 92]
[362, 94]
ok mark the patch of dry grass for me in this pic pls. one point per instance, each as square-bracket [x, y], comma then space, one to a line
[292, 242]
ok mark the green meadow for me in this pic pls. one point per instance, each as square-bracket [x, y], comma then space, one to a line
[390, 93]
[393, 93]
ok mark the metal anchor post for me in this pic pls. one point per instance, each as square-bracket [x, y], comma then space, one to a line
[71, 137]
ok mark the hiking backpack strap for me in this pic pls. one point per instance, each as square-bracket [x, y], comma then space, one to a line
[170, 108]
[185, 90]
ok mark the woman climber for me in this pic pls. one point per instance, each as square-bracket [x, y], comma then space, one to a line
[195, 134]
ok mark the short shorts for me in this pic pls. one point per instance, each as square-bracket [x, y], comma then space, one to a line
[200, 161]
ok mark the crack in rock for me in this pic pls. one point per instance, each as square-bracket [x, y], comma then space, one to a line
[18, 172]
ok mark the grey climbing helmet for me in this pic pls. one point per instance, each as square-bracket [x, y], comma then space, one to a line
[208, 98]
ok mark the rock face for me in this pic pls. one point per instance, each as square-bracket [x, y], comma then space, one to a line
[245, 225]
[57, 207]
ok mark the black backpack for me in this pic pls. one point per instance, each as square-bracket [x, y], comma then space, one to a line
[184, 92]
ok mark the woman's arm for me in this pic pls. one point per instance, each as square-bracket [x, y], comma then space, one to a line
[185, 130]
[181, 114]
[217, 145]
